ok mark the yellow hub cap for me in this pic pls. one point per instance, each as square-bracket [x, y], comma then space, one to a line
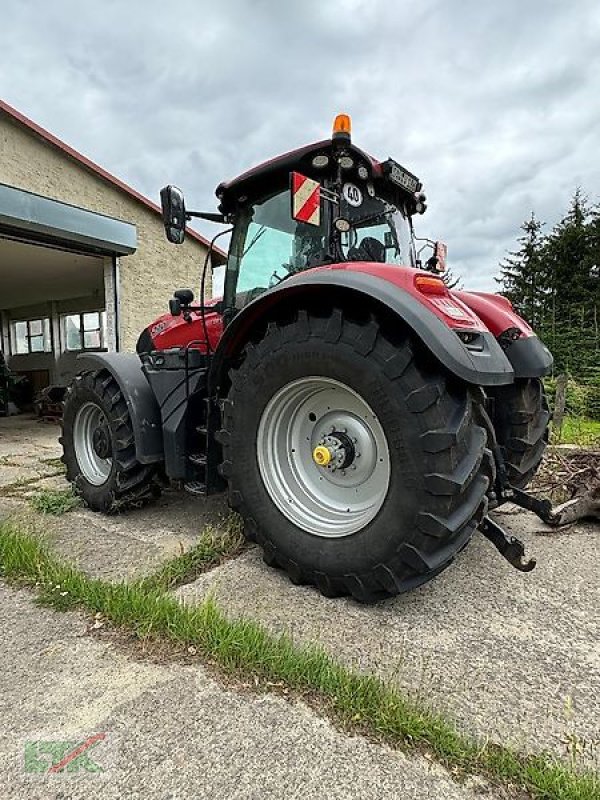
[321, 456]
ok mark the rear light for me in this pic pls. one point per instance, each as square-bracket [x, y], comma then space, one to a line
[429, 284]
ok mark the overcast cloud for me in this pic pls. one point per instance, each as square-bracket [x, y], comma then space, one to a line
[494, 105]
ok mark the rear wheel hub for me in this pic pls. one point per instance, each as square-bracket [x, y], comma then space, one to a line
[340, 450]
[101, 442]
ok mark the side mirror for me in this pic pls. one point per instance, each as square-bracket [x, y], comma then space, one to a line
[180, 302]
[440, 253]
[185, 296]
[173, 213]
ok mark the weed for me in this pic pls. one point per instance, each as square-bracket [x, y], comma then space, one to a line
[55, 501]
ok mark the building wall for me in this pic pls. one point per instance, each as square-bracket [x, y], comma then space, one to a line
[147, 278]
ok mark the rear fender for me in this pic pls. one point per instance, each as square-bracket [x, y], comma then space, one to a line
[484, 365]
[528, 356]
[126, 369]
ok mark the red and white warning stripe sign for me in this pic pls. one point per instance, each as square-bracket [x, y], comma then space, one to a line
[306, 199]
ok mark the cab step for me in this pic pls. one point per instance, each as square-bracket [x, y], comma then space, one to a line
[196, 488]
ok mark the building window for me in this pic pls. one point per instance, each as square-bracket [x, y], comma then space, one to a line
[84, 331]
[31, 336]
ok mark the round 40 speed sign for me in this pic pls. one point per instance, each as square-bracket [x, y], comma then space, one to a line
[352, 194]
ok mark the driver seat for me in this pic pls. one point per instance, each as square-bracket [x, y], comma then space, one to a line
[370, 249]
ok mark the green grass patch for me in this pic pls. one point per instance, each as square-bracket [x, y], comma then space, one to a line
[214, 547]
[55, 501]
[245, 648]
[578, 431]
[57, 463]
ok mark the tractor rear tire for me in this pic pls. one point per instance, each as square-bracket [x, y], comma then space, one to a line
[99, 446]
[521, 420]
[420, 432]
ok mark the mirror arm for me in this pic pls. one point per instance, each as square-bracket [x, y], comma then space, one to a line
[206, 215]
[218, 307]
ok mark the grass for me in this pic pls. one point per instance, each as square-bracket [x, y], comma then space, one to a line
[57, 463]
[214, 547]
[244, 648]
[578, 431]
[55, 501]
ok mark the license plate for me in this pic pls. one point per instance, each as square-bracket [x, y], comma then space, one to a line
[402, 177]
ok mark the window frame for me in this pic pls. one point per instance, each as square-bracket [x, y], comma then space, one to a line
[101, 329]
[45, 335]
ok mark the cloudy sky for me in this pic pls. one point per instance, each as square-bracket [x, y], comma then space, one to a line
[496, 106]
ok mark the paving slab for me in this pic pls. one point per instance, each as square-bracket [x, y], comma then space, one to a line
[171, 731]
[511, 656]
[119, 547]
[136, 542]
[27, 435]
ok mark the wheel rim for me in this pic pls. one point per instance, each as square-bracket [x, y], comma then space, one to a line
[304, 419]
[92, 443]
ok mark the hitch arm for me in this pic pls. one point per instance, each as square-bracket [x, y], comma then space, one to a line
[510, 547]
[541, 508]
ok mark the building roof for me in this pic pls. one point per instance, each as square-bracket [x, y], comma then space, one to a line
[85, 162]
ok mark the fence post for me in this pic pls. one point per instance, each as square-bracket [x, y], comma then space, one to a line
[560, 402]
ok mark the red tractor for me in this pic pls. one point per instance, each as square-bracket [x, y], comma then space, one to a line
[362, 416]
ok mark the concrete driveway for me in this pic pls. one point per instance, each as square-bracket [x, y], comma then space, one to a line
[115, 548]
[171, 732]
[512, 657]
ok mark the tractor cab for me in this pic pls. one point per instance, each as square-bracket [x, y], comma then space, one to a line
[325, 203]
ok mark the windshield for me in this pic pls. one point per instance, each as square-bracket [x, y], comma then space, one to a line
[274, 245]
[379, 232]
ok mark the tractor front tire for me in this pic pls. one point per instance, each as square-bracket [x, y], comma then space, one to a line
[99, 446]
[521, 420]
[412, 468]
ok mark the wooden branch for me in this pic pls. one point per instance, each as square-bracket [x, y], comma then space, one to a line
[571, 475]
[585, 505]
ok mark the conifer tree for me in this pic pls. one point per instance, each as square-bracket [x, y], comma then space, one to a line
[522, 273]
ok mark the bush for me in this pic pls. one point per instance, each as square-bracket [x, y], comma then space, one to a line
[593, 398]
[582, 399]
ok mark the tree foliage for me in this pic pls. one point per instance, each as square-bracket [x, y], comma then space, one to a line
[553, 281]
